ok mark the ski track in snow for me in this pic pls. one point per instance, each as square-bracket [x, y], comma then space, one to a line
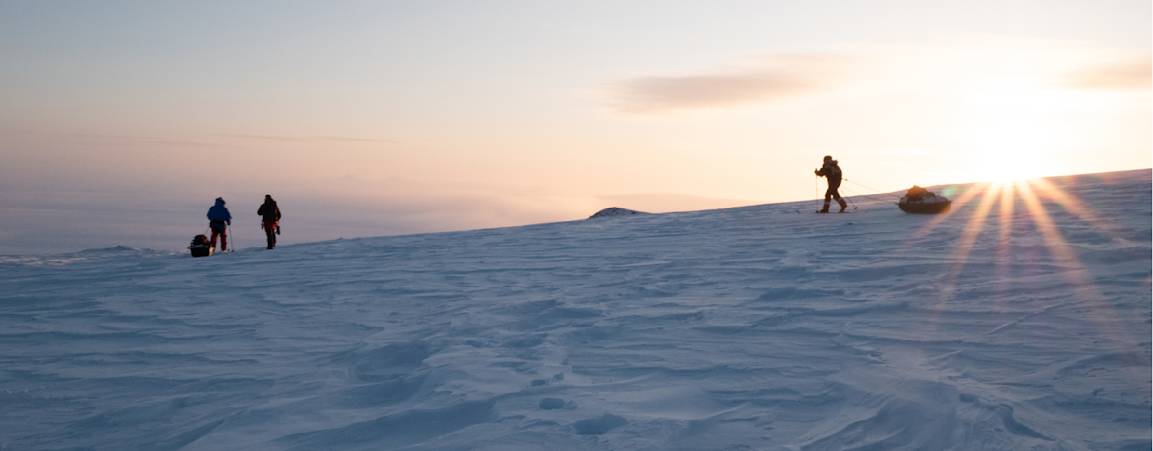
[763, 327]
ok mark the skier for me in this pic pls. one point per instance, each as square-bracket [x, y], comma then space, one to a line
[832, 173]
[218, 220]
[270, 221]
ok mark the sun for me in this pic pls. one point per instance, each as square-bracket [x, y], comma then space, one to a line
[1007, 130]
[1008, 148]
[1006, 159]
[1005, 175]
[1010, 172]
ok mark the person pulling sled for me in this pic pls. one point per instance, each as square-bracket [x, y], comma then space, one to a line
[832, 173]
[270, 220]
[218, 220]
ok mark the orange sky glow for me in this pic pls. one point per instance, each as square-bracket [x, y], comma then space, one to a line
[448, 116]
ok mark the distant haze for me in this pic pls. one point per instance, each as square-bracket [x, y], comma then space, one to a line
[122, 120]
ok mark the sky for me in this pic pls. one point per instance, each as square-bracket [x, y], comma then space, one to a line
[121, 121]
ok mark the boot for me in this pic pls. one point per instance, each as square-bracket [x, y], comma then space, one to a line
[824, 209]
[843, 205]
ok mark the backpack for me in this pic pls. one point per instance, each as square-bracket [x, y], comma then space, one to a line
[916, 192]
[200, 246]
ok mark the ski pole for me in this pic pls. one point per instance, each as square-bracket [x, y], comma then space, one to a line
[233, 239]
[817, 190]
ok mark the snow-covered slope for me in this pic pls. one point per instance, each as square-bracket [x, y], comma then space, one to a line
[765, 327]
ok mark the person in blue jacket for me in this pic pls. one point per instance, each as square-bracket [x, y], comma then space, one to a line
[218, 220]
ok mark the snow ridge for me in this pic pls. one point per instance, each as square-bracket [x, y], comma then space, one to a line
[615, 212]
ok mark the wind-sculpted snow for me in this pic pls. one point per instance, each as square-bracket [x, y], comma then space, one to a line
[765, 327]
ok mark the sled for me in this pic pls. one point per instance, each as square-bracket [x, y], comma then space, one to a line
[925, 207]
[922, 201]
[200, 246]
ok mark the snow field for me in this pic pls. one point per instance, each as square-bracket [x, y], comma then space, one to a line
[764, 327]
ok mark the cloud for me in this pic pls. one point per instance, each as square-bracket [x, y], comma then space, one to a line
[1135, 73]
[102, 139]
[777, 77]
[281, 138]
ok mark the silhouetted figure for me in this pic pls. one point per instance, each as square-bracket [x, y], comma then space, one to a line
[218, 220]
[831, 172]
[270, 220]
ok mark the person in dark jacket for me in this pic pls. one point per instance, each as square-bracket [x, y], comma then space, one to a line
[218, 220]
[270, 219]
[831, 172]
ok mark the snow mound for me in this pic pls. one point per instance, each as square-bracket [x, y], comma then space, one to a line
[613, 212]
[747, 328]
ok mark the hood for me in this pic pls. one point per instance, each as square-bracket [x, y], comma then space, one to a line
[219, 202]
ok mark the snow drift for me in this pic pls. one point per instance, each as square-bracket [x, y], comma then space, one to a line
[1013, 322]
